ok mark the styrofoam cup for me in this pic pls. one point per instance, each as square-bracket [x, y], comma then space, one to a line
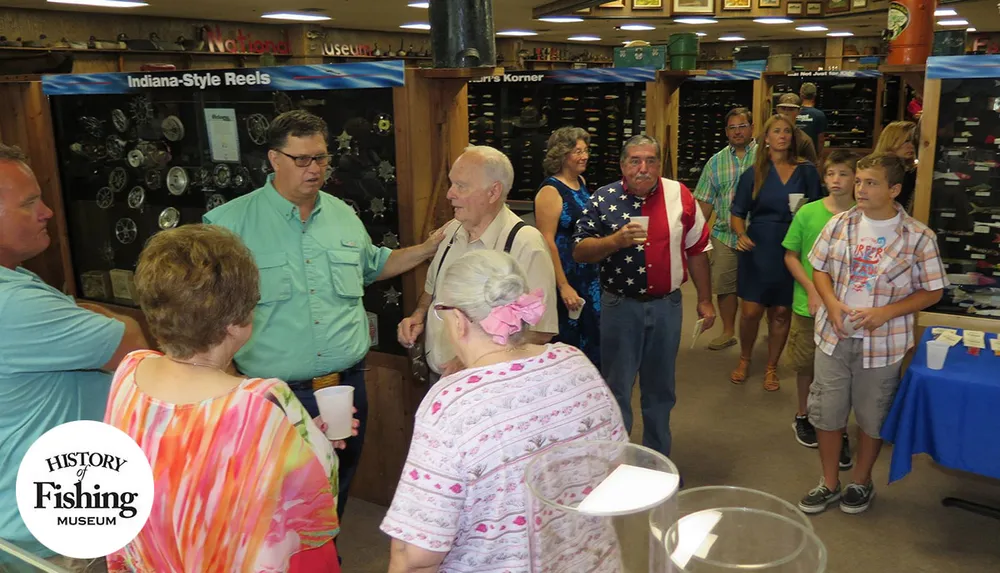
[335, 404]
[937, 351]
[643, 222]
[575, 314]
[793, 201]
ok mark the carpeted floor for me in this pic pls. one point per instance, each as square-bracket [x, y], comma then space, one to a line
[742, 435]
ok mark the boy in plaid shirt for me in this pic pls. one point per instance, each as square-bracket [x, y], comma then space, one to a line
[875, 267]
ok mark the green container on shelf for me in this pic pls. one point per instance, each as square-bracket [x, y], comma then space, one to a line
[641, 57]
[683, 51]
[949, 43]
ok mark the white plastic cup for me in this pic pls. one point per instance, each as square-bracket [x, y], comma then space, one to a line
[793, 201]
[575, 314]
[937, 351]
[335, 404]
[644, 223]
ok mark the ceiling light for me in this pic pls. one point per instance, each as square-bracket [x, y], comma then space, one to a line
[731, 38]
[102, 3]
[970, 29]
[695, 21]
[416, 26]
[812, 28]
[517, 33]
[627, 42]
[636, 27]
[700, 34]
[840, 34]
[585, 38]
[295, 17]
[773, 20]
[561, 19]
[953, 23]
[419, 4]
[945, 12]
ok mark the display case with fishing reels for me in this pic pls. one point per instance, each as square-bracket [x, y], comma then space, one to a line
[139, 153]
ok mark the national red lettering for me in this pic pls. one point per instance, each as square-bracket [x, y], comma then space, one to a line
[242, 43]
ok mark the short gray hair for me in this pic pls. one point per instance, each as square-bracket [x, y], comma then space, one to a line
[808, 91]
[496, 167]
[482, 280]
[636, 140]
[12, 153]
[560, 144]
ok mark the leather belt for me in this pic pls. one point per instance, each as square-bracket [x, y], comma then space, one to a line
[317, 383]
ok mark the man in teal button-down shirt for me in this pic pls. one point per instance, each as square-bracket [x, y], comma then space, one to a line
[315, 258]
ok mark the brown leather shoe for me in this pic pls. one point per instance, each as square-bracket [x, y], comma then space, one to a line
[739, 375]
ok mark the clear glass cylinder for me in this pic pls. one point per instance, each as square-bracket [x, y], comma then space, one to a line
[717, 497]
[740, 539]
[590, 504]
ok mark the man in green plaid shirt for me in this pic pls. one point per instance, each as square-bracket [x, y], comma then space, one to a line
[715, 193]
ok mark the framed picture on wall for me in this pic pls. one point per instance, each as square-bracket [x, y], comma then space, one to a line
[835, 6]
[859, 3]
[694, 7]
[794, 8]
[814, 8]
[769, 3]
[647, 4]
[736, 4]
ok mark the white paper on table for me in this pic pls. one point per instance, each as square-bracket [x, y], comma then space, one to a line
[629, 489]
[949, 338]
[223, 134]
[975, 339]
[938, 330]
[995, 345]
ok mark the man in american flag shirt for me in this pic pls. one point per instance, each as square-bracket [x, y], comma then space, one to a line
[641, 275]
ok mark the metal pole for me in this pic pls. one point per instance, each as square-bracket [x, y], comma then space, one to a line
[462, 33]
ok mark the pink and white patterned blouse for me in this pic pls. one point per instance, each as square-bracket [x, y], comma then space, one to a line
[462, 490]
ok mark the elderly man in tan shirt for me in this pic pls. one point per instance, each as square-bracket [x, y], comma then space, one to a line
[480, 180]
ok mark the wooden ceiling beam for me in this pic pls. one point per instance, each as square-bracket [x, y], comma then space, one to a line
[563, 7]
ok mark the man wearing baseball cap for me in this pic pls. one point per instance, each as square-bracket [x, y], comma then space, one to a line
[789, 106]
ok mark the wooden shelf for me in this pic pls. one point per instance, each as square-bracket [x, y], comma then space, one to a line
[426, 58]
[679, 73]
[460, 73]
[903, 69]
[137, 52]
[567, 62]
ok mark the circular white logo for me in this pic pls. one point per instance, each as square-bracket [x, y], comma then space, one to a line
[85, 489]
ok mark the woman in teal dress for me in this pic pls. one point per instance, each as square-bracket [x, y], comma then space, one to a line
[762, 280]
[558, 204]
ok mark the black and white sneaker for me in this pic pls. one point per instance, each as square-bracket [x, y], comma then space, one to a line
[856, 498]
[805, 433]
[818, 498]
[845, 453]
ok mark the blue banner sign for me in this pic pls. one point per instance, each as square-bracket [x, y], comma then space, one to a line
[836, 74]
[587, 76]
[279, 78]
[958, 67]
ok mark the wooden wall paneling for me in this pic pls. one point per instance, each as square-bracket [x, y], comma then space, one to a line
[879, 97]
[393, 398]
[834, 53]
[662, 110]
[25, 121]
[928, 145]
[761, 101]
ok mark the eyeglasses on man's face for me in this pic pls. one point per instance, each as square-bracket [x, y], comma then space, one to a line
[737, 126]
[306, 160]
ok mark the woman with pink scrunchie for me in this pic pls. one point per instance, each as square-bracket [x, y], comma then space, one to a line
[460, 503]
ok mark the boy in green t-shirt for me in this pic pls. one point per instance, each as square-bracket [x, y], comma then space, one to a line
[838, 176]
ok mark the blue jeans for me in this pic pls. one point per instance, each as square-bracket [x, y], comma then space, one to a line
[642, 338]
[350, 456]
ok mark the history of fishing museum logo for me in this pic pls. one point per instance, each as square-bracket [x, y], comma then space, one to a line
[85, 489]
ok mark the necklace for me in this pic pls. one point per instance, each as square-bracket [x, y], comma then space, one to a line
[476, 361]
[212, 366]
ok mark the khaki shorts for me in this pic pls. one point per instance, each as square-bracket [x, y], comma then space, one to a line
[800, 352]
[841, 383]
[723, 261]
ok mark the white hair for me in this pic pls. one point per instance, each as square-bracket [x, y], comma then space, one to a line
[480, 281]
[496, 167]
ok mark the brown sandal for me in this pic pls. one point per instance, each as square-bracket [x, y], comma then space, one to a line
[771, 383]
[739, 375]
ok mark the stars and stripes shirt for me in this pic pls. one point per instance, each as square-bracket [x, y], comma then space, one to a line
[677, 230]
[909, 263]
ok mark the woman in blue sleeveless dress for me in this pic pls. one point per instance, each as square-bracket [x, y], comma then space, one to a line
[558, 204]
[763, 282]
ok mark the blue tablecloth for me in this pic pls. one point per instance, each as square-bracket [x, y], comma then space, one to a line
[951, 414]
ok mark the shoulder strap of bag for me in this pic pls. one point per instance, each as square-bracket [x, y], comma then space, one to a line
[513, 233]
